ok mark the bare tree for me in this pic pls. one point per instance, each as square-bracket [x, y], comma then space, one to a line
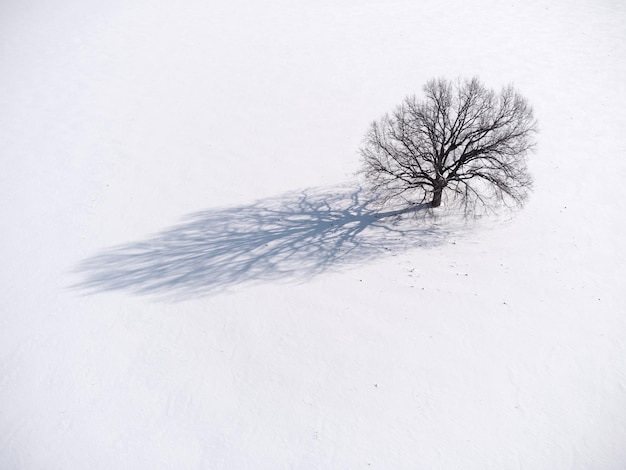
[463, 140]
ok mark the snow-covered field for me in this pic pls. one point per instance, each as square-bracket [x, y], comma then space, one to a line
[191, 277]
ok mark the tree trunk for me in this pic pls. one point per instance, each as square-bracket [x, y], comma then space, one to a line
[438, 185]
[436, 202]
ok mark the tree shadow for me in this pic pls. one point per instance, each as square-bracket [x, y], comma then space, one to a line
[292, 237]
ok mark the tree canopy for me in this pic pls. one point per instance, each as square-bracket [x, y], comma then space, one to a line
[461, 142]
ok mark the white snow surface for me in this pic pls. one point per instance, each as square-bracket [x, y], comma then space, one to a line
[191, 277]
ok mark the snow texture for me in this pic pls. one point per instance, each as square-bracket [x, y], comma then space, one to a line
[193, 278]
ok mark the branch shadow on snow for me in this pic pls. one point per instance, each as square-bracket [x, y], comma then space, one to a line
[292, 237]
